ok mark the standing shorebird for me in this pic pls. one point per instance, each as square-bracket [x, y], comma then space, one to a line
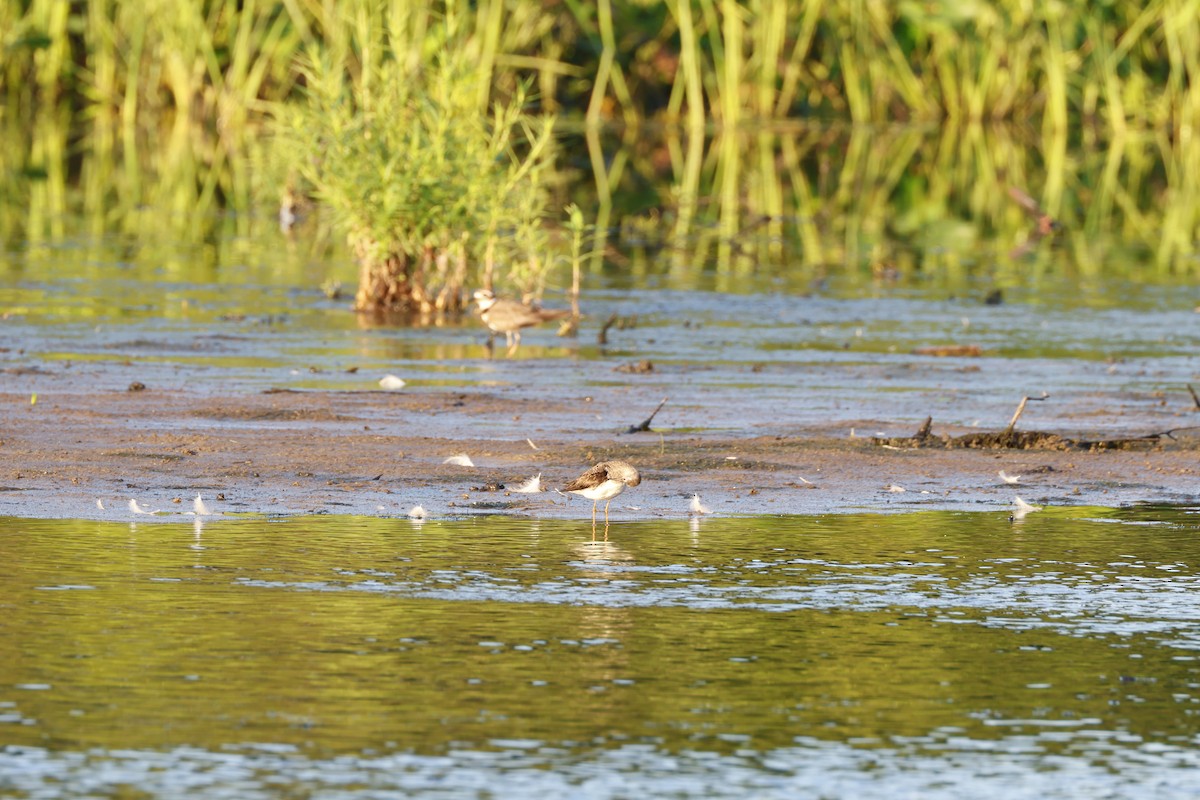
[509, 316]
[604, 481]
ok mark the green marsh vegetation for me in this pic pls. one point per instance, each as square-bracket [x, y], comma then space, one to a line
[423, 178]
[706, 140]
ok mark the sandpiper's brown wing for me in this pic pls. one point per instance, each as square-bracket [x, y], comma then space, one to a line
[509, 315]
[590, 479]
[547, 314]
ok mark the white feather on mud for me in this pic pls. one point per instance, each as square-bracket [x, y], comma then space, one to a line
[135, 508]
[532, 486]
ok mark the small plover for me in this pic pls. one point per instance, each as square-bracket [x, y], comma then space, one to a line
[604, 481]
[509, 316]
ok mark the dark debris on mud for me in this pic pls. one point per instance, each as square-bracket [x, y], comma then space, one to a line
[1009, 439]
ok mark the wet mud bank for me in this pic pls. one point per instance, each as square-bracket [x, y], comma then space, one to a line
[86, 454]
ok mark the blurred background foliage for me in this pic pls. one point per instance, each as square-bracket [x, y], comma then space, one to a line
[733, 136]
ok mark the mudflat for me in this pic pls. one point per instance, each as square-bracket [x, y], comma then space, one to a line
[73, 453]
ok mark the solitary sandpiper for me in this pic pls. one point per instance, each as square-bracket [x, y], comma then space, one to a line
[509, 316]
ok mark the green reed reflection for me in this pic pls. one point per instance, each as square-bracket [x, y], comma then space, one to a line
[152, 123]
[905, 204]
[921, 208]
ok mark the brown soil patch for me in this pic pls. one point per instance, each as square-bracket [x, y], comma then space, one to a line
[381, 453]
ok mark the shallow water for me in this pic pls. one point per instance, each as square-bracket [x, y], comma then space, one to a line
[923, 655]
[757, 362]
[926, 655]
[760, 353]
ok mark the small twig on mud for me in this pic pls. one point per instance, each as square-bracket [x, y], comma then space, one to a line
[1195, 399]
[602, 338]
[645, 426]
[1020, 410]
[1168, 433]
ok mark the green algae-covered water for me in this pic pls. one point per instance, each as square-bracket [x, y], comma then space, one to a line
[918, 655]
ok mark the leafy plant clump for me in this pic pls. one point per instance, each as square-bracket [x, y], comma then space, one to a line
[431, 187]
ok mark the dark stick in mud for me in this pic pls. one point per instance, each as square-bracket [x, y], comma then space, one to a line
[602, 337]
[1012, 423]
[645, 425]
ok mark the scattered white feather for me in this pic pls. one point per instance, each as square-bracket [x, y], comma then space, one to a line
[99, 504]
[532, 486]
[417, 512]
[1023, 508]
[696, 507]
[891, 487]
[135, 508]
[199, 508]
[803, 479]
[391, 382]
[1004, 476]
[462, 460]
[531, 444]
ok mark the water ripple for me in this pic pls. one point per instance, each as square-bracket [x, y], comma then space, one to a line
[949, 767]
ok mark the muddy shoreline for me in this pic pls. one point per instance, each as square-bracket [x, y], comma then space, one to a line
[85, 454]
